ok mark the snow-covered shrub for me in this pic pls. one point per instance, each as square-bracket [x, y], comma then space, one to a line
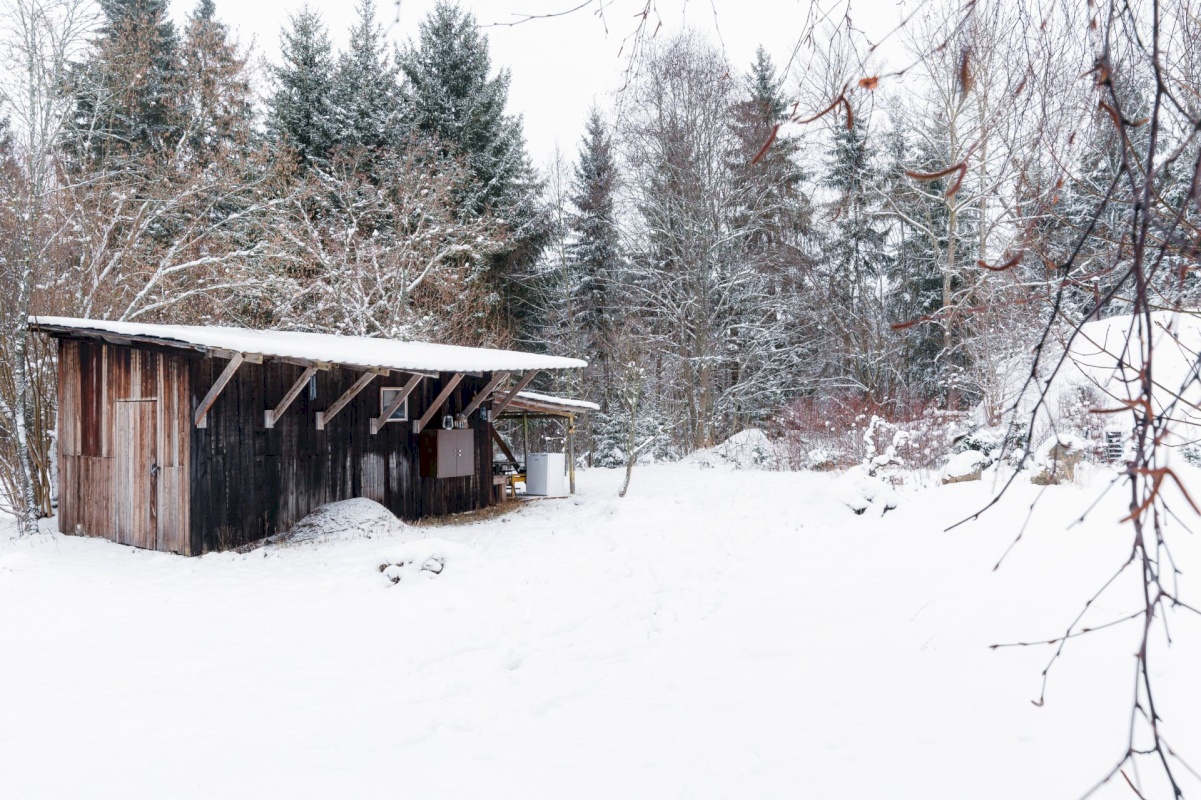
[748, 449]
[850, 430]
[860, 490]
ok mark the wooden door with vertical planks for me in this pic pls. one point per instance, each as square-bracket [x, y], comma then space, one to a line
[137, 472]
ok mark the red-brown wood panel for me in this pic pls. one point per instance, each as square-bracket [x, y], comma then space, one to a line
[137, 471]
[68, 493]
[68, 398]
[97, 485]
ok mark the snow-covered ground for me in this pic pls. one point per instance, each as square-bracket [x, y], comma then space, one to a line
[716, 634]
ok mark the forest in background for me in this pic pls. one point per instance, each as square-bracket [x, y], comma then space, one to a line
[791, 244]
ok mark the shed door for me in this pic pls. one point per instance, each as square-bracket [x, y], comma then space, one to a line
[137, 472]
[465, 445]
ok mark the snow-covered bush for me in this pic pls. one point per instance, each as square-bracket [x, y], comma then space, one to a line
[845, 431]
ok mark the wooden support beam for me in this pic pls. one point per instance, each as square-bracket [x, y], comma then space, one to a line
[497, 379]
[202, 410]
[504, 447]
[571, 451]
[249, 358]
[303, 362]
[271, 415]
[521, 384]
[378, 423]
[323, 417]
[420, 424]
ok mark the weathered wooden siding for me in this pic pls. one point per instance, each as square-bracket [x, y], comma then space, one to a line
[249, 481]
[95, 379]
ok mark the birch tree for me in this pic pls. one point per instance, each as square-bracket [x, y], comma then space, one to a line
[40, 38]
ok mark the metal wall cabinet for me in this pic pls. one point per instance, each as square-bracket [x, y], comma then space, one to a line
[448, 453]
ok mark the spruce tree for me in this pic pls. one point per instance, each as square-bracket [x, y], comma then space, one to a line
[217, 95]
[594, 264]
[128, 90]
[301, 114]
[854, 259]
[450, 94]
[770, 215]
[595, 253]
[366, 91]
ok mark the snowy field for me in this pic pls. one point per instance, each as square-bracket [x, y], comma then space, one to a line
[716, 634]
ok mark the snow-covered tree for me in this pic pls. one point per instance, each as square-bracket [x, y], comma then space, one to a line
[452, 95]
[373, 245]
[368, 110]
[301, 115]
[216, 108]
[128, 89]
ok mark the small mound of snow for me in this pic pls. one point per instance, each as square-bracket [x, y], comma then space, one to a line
[859, 491]
[1069, 444]
[424, 559]
[964, 466]
[748, 449]
[358, 518]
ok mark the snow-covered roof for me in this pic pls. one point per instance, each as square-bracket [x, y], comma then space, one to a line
[558, 401]
[547, 404]
[356, 351]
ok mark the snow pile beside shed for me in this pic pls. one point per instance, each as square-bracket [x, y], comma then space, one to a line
[344, 520]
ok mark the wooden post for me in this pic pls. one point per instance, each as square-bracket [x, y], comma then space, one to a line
[202, 410]
[420, 424]
[521, 384]
[378, 423]
[571, 451]
[504, 447]
[323, 417]
[525, 441]
[272, 414]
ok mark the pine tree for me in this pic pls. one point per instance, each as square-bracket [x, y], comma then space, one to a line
[853, 264]
[595, 253]
[450, 95]
[128, 90]
[594, 262]
[301, 114]
[914, 269]
[771, 215]
[217, 97]
[366, 91]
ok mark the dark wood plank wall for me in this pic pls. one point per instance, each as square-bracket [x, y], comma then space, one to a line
[249, 481]
[94, 378]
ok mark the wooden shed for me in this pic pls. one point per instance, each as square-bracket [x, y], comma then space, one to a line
[190, 439]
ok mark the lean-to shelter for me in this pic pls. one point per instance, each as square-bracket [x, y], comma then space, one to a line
[191, 439]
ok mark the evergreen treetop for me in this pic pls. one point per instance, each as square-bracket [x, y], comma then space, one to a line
[301, 113]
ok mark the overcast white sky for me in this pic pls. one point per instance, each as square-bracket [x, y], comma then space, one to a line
[562, 65]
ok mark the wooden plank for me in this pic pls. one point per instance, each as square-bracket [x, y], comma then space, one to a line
[137, 473]
[214, 392]
[499, 408]
[379, 422]
[272, 414]
[372, 477]
[323, 417]
[249, 358]
[504, 447]
[68, 398]
[96, 515]
[482, 395]
[434, 407]
[91, 399]
[173, 510]
[68, 493]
